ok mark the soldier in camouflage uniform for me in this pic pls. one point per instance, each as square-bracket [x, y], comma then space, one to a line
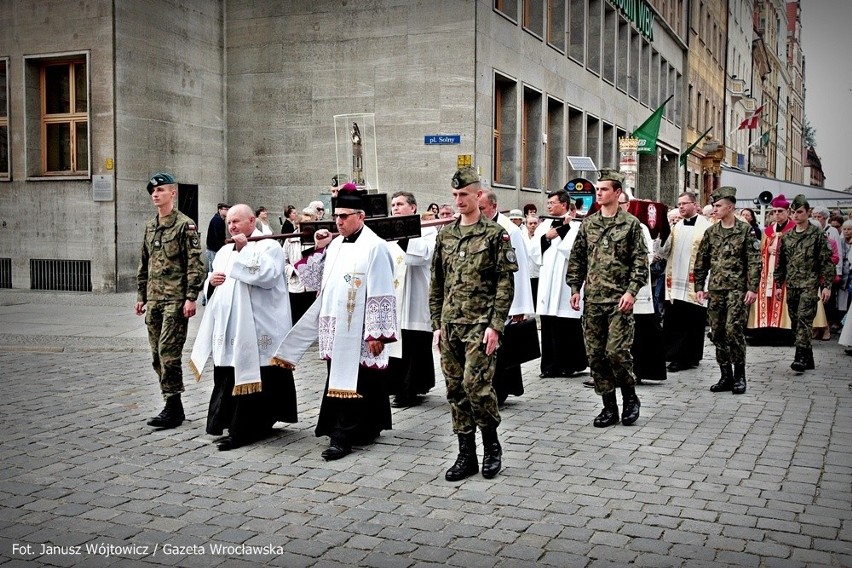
[731, 256]
[471, 292]
[804, 263]
[610, 256]
[169, 279]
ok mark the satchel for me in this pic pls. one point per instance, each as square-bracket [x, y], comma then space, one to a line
[519, 343]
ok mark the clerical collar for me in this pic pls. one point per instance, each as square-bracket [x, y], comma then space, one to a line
[353, 237]
[691, 221]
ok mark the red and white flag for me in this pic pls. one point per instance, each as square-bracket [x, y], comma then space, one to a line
[750, 123]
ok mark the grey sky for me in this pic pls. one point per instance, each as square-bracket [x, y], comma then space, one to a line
[827, 45]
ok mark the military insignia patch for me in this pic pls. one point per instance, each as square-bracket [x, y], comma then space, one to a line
[756, 245]
[510, 256]
[505, 237]
[191, 227]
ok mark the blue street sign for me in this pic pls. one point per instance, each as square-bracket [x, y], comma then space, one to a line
[442, 139]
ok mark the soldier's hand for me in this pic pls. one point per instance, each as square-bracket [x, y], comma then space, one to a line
[189, 308]
[436, 338]
[575, 301]
[750, 298]
[701, 295]
[491, 339]
[625, 304]
[139, 309]
[825, 295]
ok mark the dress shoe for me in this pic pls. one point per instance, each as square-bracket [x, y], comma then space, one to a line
[227, 443]
[405, 402]
[590, 384]
[674, 367]
[547, 375]
[335, 451]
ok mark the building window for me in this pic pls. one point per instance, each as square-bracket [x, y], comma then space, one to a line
[593, 139]
[610, 41]
[508, 8]
[577, 30]
[622, 57]
[556, 24]
[555, 155]
[576, 137]
[4, 120]
[593, 63]
[59, 108]
[505, 130]
[531, 140]
[534, 16]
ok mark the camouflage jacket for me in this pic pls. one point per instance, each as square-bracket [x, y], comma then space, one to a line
[171, 266]
[472, 280]
[730, 256]
[805, 259]
[610, 256]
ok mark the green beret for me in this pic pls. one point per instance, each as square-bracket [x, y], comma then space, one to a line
[159, 179]
[464, 177]
[607, 174]
[800, 201]
[724, 192]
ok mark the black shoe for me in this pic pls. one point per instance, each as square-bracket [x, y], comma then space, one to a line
[492, 454]
[335, 451]
[798, 364]
[609, 414]
[674, 367]
[466, 462]
[739, 384]
[809, 359]
[405, 402]
[629, 406]
[227, 443]
[547, 375]
[171, 416]
[590, 383]
[726, 380]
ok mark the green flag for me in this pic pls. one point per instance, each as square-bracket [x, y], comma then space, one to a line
[764, 139]
[648, 131]
[692, 146]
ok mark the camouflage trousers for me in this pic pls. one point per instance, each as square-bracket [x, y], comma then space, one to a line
[802, 307]
[608, 334]
[728, 314]
[468, 372]
[167, 329]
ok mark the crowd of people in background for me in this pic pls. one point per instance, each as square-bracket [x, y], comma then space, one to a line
[606, 295]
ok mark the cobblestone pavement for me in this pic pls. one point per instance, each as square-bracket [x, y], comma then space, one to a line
[762, 479]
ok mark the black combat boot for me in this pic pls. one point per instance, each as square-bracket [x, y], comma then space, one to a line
[609, 414]
[739, 386]
[492, 453]
[466, 463]
[808, 357]
[629, 405]
[798, 363]
[172, 415]
[726, 381]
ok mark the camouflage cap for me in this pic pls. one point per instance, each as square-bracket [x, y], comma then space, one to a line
[464, 177]
[800, 201]
[608, 174]
[159, 179]
[724, 192]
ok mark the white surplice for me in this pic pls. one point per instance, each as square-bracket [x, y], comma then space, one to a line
[247, 316]
[554, 294]
[356, 303]
[522, 302]
[684, 242]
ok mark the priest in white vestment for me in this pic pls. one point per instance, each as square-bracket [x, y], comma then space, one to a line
[507, 378]
[684, 317]
[247, 316]
[563, 350]
[354, 318]
[412, 366]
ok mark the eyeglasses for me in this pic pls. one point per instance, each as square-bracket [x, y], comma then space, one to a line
[342, 216]
[320, 208]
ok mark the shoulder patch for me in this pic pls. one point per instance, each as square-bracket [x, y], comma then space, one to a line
[510, 256]
[191, 227]
[505, 237]
[756, 244]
